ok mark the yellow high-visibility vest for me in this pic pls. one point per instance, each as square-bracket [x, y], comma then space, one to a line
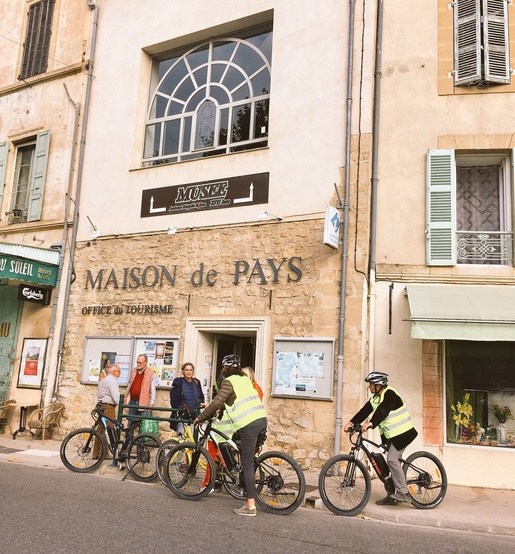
[397, 422]
[247, 407]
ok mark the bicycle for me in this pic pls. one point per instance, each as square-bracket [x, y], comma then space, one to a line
[190, 472]
[139, 454]
[345, 485]
[187, 436]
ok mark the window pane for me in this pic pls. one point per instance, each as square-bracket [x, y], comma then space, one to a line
[173, 78]
[185, 90]
[223, 50]
[240, 123]
[152, 137]
[198, 57]
[263, 41]
[242, 93]
[248, 59]
[261, 119]
[232, 78]
[217, 70]
[479, 376]
[261, 83]
[224, 127]
[220, 95]
[158, 107]
[196, 100]
[477, 197]
[201, 76]
[171, 139]
[186, 144]
[205, 128]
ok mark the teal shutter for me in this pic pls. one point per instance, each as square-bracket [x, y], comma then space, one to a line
[495, 32]
[441, 208]
[38, 176]
[3, 162]
[467, 41]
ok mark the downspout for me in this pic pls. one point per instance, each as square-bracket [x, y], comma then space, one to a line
[373, 187]
[69, 275]
[345, 237]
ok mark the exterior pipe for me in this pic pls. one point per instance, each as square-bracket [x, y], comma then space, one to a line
[345, 237]
[374, 184]
[80, 165]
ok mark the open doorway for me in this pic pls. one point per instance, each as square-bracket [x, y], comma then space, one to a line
[243, 346]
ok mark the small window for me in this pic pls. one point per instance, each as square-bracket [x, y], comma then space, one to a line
[210, 99]
[29, 180]
[37, 39]
[481, 43]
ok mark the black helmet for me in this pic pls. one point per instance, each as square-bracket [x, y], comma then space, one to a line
[231, 360]
[378, 378]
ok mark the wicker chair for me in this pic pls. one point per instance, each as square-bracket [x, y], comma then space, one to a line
[46, 418]
[6, 410]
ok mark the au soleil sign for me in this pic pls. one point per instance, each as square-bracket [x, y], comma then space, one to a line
[28, 271]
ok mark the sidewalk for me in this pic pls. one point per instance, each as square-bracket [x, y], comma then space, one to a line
[463, 509]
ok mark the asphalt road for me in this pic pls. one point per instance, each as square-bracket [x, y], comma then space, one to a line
[51, 511]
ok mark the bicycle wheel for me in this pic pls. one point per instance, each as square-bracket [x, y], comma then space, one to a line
[280, 483]
[233, 484]
[189, 471]
[142, 457]
[77, 450]
[162, 454]
[344, 485]
[426, 479]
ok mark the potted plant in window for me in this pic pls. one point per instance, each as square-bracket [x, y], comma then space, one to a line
[502, 413]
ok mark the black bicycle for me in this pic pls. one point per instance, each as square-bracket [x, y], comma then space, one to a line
[345, 485]
[190, 472]
[138, 452]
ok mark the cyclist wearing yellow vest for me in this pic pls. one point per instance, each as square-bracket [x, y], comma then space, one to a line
[247, 416]
[390, 414]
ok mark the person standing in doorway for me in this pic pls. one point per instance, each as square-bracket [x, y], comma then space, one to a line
[141, 390]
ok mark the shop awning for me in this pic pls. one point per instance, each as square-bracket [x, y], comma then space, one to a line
[462, 312]
[29, 264]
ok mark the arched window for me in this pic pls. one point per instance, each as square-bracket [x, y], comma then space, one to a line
[210, 99]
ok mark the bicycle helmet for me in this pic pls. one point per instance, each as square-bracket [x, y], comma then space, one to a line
[377, 378]
[231, 360]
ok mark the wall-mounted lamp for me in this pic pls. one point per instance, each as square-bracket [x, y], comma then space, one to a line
[95, 234]
[172, 230]
[266, 215]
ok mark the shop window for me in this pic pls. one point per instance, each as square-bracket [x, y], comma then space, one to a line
[210, 99]
[481, 43]
[469, 200]
[37, 39]
[29, 179]
[480, 390]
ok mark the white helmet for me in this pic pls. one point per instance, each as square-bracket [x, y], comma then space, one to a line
[378, 378]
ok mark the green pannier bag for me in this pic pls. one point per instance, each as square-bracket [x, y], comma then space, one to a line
[149, 426]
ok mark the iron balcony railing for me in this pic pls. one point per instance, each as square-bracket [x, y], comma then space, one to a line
[485, 247]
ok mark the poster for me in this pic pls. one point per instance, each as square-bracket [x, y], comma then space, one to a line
[32, 363]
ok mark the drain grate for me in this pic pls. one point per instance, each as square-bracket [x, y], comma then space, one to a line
[5, 450]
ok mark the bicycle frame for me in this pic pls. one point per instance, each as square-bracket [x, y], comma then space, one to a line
[113, 434]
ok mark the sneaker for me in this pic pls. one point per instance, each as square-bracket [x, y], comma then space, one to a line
[387, 501]
[244, 511]
[401, 497]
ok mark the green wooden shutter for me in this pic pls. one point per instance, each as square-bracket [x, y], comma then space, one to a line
[441, 208]
[37, 40]
[467, 41]
[38, 176]
[495, 32]
[3, 162]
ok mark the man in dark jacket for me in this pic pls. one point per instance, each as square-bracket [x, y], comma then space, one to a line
[390, 414]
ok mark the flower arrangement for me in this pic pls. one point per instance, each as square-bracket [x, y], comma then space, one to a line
[502, 413]
[462, 411]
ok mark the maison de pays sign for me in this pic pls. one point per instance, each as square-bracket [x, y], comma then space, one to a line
[261, 272]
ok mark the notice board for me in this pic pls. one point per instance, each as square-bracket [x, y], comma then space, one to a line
[303, 368]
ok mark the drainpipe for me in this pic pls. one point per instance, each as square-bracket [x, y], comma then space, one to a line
[373, 187]
[343, 280]
[73, 240]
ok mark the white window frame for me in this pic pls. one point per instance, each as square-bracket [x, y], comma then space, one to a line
[441, 203]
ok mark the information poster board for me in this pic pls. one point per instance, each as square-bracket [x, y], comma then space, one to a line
[101, 352]
[162, 354]
[303, 368]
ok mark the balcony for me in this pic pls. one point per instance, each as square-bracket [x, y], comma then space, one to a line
[480, 247]
[16, 216]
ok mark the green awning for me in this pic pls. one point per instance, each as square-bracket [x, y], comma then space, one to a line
[29, 264]
[462, 312]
